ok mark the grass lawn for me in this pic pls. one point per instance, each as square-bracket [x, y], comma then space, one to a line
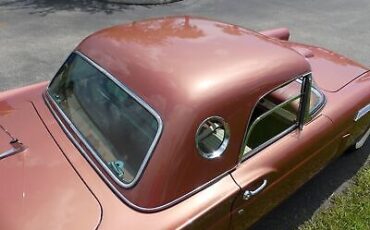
[348, 210]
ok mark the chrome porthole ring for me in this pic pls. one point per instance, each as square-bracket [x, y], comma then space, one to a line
[212, 137]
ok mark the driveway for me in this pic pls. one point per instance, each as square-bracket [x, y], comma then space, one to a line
[37, 35]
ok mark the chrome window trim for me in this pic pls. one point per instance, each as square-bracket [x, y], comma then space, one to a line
[90, 148]
[116, 191]
[243, 157]
[322, 101]
[320, 95]
[269, 112]
[362, 112]
[225, 142]
[269, 142]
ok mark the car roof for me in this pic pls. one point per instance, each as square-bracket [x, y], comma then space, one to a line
[190, 59]
[188, 69]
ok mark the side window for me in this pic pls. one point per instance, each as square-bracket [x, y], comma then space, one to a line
[276, 114]
[317, 99]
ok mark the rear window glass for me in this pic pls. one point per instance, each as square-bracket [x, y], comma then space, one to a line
[121, 130]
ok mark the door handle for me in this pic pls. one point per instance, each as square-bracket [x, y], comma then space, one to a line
[248, 193]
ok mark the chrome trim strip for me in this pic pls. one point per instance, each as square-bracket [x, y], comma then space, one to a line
[17, 148]
[8, 153]
[362, 112]
[90, 148]
[363, 139]
[269, 142]
[321, 103]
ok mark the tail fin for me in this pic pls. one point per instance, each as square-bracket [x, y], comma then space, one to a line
[279, 33]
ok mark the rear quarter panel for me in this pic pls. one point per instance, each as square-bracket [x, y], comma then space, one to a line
[342, 107]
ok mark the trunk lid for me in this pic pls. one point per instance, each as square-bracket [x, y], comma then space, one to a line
[330, 70]
[39, 188]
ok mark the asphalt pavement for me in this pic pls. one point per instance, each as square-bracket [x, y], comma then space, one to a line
[37, 35]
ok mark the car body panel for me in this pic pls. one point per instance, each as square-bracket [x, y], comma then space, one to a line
[40, 178]
[355, 94]
[331, 71]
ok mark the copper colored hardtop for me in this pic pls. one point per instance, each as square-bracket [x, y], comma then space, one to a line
[181, 66]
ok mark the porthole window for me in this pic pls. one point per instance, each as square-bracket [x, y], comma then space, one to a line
[212, 137]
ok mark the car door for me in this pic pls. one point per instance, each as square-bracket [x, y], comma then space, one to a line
[284, 146]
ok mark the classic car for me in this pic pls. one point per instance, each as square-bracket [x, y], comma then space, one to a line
[176, 122]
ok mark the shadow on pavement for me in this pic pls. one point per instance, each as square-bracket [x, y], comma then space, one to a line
[45, 7]
[302, 204]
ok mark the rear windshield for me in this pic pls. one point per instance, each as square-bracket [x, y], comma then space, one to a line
[121, 130]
